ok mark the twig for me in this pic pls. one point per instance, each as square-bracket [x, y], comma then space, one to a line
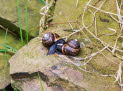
[107, 75]
[119, 15]
[77, 1]
[7, 30]
[95, 17]
[94, 54]
[115, 19]
[104, 11]
[76, 31]
[45, 13]
[119, 73]
[87, 61]
[108, 58]
[114, 48]
[81, 29]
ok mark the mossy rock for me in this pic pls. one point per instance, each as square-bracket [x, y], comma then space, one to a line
[9, 11]
[55, 70]
[66, 12]
[7, 39]
[97, 74]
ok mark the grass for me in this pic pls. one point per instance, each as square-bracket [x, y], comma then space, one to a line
[26, 17]
[41, 1]
[6, 57]
[15, 89]
[9, 49]
[19, 19]
[41, 85]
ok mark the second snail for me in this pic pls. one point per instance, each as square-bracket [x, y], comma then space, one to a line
[59, 45]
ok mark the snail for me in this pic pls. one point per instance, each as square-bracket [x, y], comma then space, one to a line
[49, 39]
[71, 47]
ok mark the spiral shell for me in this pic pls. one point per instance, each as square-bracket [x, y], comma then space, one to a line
[49, 39]
[72, 47]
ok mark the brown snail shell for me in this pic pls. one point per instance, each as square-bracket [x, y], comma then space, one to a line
[72, 47]
[49, 39]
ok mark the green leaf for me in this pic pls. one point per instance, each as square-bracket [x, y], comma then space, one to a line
[41, 1]
[41, 85]
[9, 48]
[20, 21]
[3, 50]
[15, 89]
[26, 18]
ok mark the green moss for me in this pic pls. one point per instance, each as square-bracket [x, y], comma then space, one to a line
[10, 40]
[65, 12]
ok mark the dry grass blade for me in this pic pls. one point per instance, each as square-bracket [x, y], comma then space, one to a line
[94, 54]
[77, 1]
[120, 19]
[76, 31]
[115, 19]
[87, 61]
[44, 11]
[104, 11]
[119, 14]
[115, 31]
[94, 14]
[119, 74]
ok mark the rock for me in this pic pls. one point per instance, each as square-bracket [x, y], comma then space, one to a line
[59, 70]
[55, 70]
[51, 67]
[4, 72]
[7, 40]
[64, 15]
[9, 21]
[33, 55]
[9, 12]
[61, 24]
[32, 85]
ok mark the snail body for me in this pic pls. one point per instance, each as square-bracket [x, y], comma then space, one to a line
[71, 47]
[56, 47]
[49, 39]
